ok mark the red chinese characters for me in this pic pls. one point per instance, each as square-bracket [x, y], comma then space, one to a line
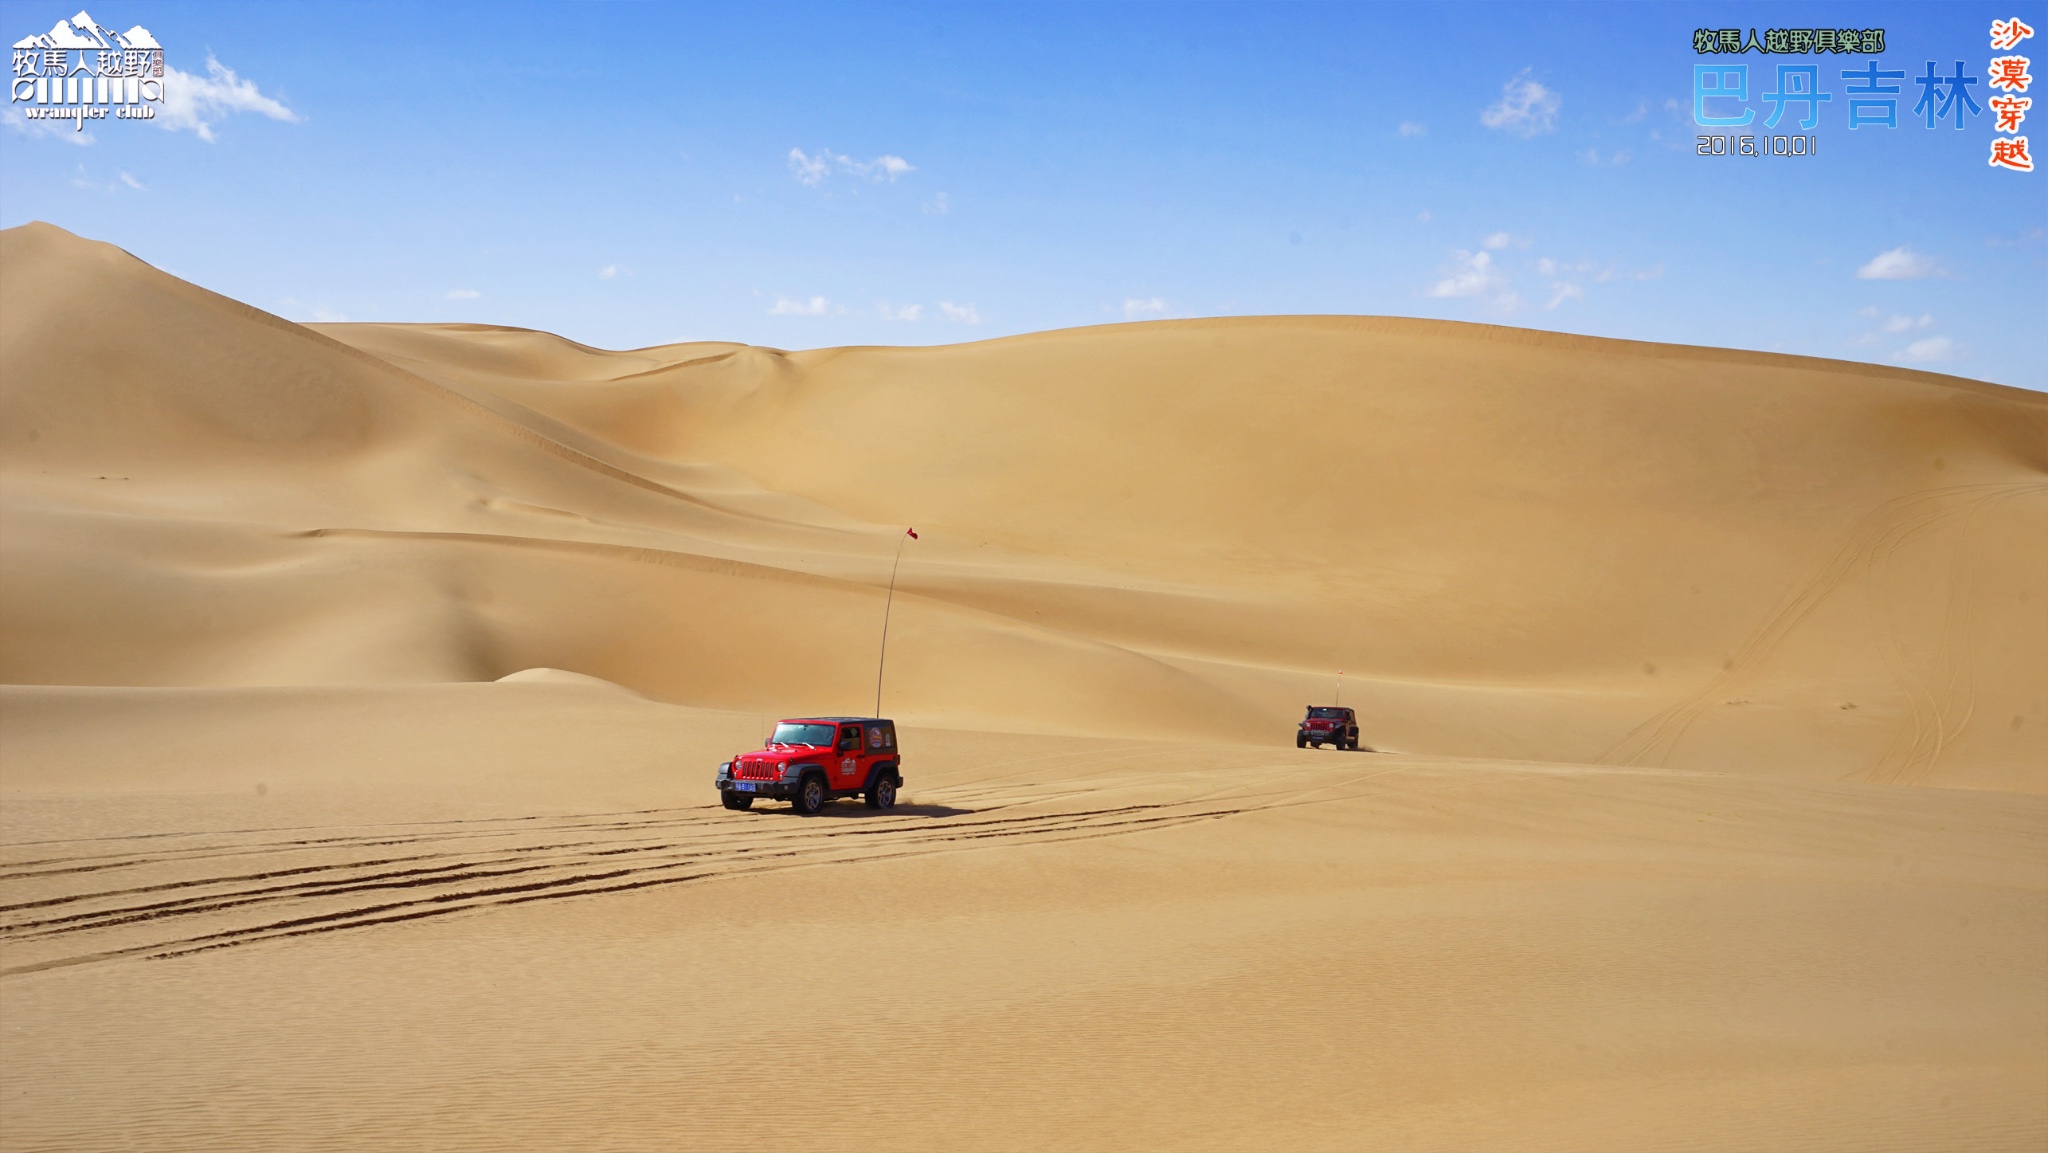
[2011, 111]
[2010, 74]
[2006, 33]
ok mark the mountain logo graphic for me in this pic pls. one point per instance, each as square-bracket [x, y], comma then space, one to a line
[82, 70]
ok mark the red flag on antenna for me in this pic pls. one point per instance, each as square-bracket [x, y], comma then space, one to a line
[912, 532]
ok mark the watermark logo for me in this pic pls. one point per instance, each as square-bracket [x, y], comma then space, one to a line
[81, 70]
[1941, 94]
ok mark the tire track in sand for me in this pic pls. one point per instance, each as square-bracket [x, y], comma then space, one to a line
[50, 919]
[1875, 536]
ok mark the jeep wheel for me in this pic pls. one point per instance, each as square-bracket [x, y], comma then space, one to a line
[738, 801]
[810, 796]
[882, 794]
[1300, 742]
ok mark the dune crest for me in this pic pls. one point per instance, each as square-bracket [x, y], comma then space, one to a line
[1516, 544]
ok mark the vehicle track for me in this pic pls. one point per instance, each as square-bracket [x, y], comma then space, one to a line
[1865, 551]
[197, 892]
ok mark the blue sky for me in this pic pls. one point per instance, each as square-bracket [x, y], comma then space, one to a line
[800, 176]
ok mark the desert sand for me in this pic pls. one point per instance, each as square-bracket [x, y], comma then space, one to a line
[361, 687]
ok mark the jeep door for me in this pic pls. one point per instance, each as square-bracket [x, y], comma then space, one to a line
[849, 765]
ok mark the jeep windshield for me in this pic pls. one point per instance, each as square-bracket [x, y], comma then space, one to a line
[800, 733]
[1326, 714]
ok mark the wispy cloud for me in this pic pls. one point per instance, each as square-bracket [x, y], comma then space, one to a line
[1570, 277]
[910, 312]
[1141, 308]
[325, 315]
[959, 313]
[85, 181]
[936, 206]
[810, 169]
[1525, 107]
[195, 104]
[1613, 159]
[608, 272]
[1413, 128]
[1929, 350]
[1470, 274]
[1900, 263]
[813, 306]
[463, 294]
[1898, 324]
[69, 131]
[1498, 241]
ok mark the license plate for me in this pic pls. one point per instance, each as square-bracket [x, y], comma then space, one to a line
[743, 786]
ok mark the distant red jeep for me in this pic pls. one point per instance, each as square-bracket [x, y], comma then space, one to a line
[814, 760]
[1328, 725]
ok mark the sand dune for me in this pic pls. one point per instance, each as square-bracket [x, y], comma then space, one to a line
[389, 662]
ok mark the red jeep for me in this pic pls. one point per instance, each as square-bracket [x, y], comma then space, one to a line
[812, 760]
[1328, 725]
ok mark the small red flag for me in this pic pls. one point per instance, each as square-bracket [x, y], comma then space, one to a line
[912, 532]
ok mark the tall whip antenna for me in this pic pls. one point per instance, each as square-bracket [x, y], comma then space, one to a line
[882, 659]
[1340, 680]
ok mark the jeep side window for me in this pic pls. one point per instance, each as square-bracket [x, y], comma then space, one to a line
[849, 739]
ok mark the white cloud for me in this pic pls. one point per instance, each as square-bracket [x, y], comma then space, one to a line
[808, 169]
[463, 294]
[910, 312]
[1425, 216]
[86, 181]
[608, 272]
[937, 205]
[1471, 274]
[1563, 291]
[195, 104]
[960, 313]
[814, 169]
[1138, 308]
[1929, 350]
[1900, 263]
[1525, 108]
[1498, 241]
[882, 167]
[815, 306]
[325, 315]
[1614, 159]
[70, 131]
[1413, 128]
[1897, 324]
